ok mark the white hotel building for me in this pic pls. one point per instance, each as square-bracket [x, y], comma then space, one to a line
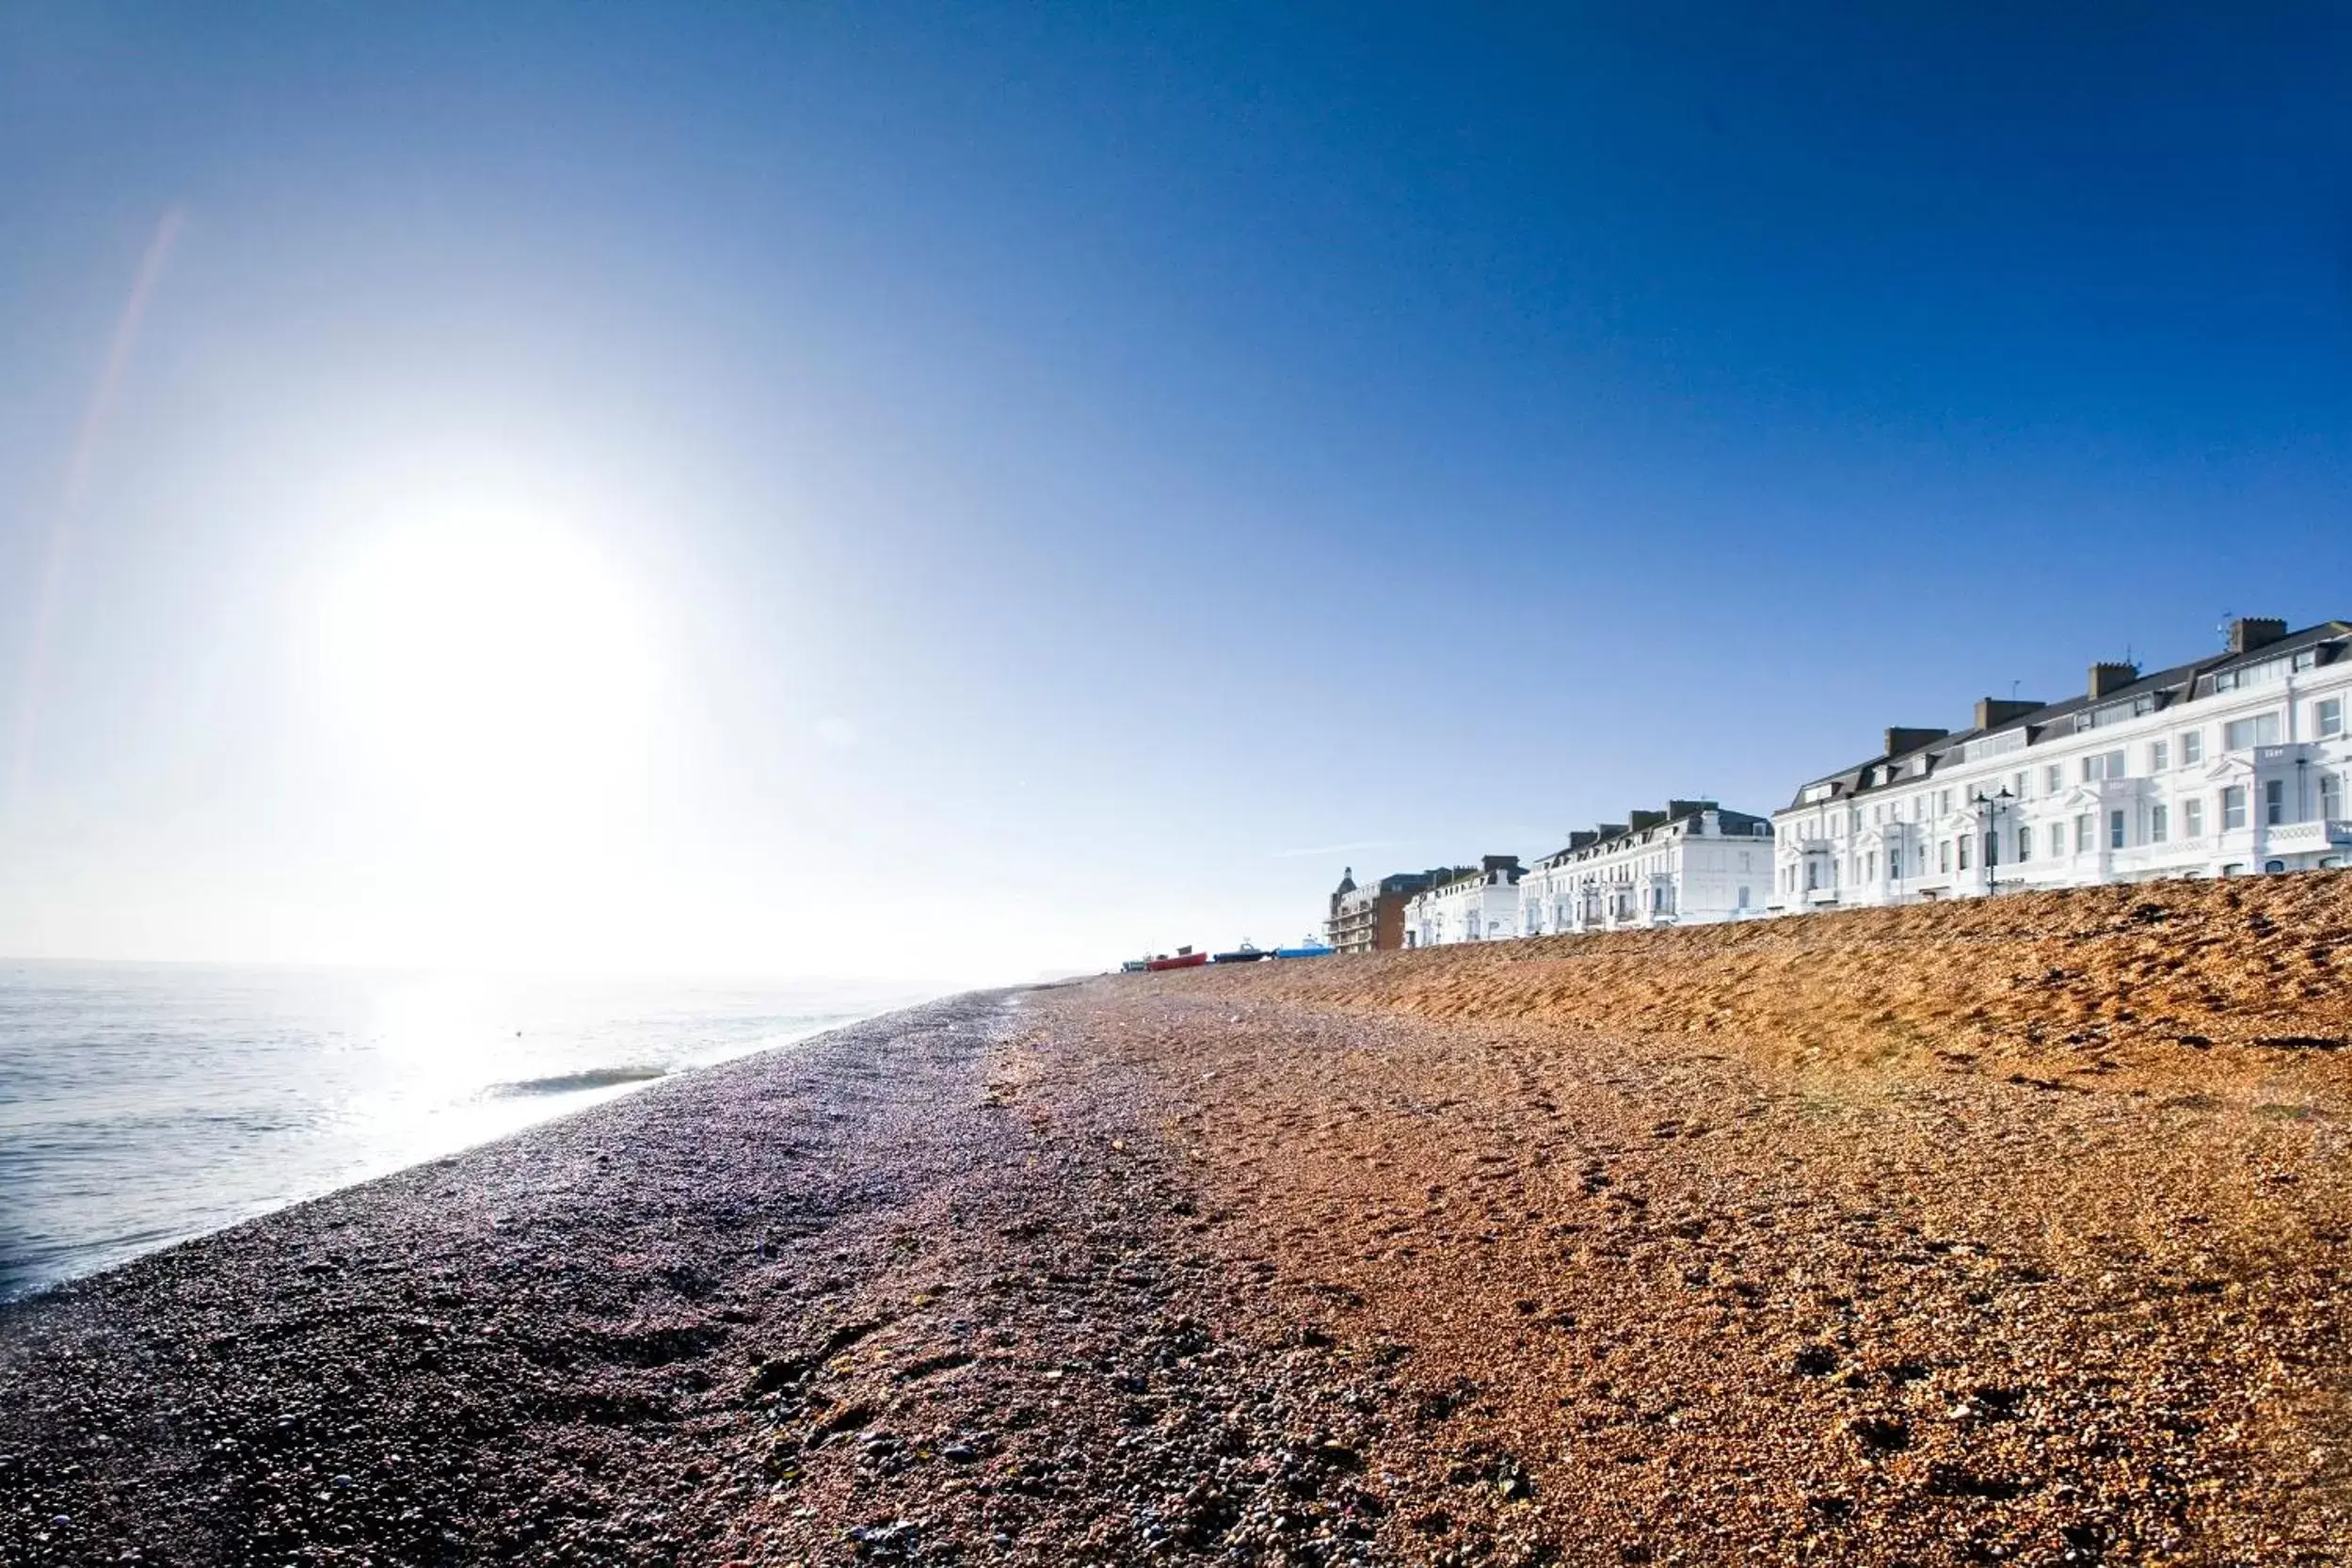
[1477, 907]
[1689, 864]
[2230, 765]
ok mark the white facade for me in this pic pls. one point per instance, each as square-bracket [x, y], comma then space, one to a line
[1482, 907]
[1692, 864]
[2231, 765]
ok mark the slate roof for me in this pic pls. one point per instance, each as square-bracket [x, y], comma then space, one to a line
[2180, 684]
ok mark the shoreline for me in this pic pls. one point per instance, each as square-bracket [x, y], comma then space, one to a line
[407, 1298]
[242, 1101]
[1343, 1263]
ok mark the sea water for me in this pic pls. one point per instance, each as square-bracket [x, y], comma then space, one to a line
[144, 1104]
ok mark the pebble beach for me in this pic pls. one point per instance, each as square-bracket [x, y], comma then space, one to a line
[2006, 1234]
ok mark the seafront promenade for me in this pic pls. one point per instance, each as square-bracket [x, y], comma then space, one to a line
[2010, 1231]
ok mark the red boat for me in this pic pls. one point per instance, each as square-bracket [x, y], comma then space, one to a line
[1185, 958]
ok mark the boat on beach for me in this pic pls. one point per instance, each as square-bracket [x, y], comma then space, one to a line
[1247, 953]
[1183, 958]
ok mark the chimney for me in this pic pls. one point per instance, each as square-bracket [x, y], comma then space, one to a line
[1638, 819]
[1676, 809]
[1582, 837]
[2248, 633]
[1900, 739]
[1612, 829]
[1991, 710]
[1498, 863]
[2112, 677]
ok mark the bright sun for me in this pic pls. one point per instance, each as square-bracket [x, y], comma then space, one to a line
[496, 670]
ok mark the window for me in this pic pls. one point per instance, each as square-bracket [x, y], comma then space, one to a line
[1943, 800]
[2233, 807]
[2058, 838]
[2274, 802]
[2192, 747]
[2330, 794]
[2082, 834]
[2115, 712]
[2017, 784]
[1743, 895]
[2159, 823]
[1895, 865]
[2193, 817]
[1943, 858]
[2159, 755]
[2024, 843]
[2107, 764]
[2269, 670]
[2115, 829]
[1870, 866]
[2260, 730]
[2327, 718]
[1964, 844]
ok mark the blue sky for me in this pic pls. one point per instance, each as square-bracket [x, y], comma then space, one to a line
[972, 491]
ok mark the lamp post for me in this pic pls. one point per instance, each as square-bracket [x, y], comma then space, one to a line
[1993, 804]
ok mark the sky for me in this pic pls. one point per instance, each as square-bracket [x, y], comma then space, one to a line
[971, 491]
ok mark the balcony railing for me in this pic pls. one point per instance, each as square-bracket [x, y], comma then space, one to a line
[2306, 838]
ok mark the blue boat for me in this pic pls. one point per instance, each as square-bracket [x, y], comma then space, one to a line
[1313, 949]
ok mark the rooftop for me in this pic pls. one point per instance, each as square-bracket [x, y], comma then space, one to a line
[2253, 642]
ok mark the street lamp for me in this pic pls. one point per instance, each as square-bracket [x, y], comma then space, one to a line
[1993, 804]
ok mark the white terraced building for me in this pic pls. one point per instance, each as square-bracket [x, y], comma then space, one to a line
[2229, 765]
[1477, 907]
[1691, 864]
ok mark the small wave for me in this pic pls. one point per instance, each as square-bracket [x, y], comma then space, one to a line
[565, 1083]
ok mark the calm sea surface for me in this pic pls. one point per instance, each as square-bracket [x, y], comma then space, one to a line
[144, 1104]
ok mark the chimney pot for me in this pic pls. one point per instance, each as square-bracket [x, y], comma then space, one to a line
[2248, 633]
[2105, 678]
[1901, 738]
[1991, 710]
